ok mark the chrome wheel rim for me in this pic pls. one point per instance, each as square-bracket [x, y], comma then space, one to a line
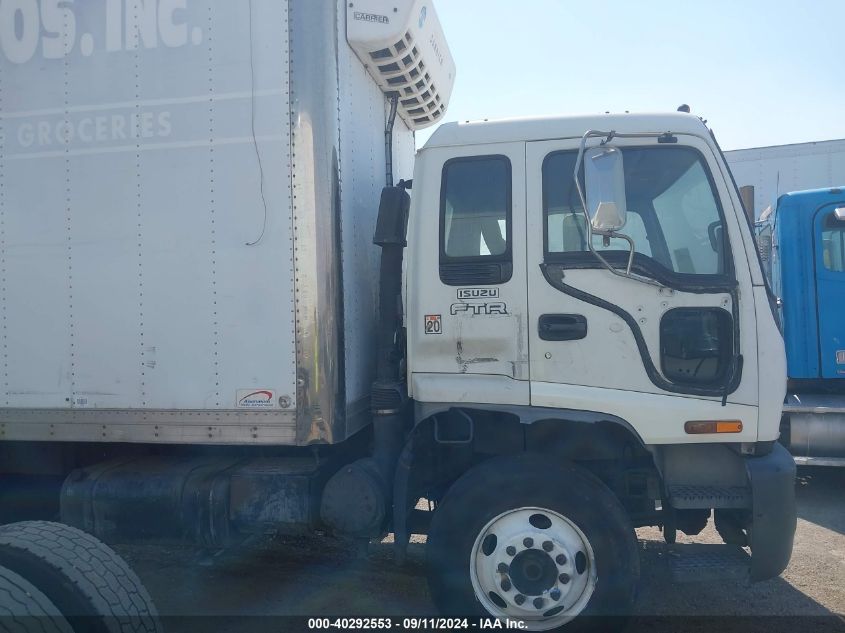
[535, 565]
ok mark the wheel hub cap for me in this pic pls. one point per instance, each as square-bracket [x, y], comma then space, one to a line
[533, 564]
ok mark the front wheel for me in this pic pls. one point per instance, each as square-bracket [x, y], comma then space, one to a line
[533, 539]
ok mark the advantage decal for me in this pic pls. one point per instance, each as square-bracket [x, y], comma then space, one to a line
[256, 399]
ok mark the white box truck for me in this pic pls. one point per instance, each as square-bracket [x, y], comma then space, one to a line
[567, 334]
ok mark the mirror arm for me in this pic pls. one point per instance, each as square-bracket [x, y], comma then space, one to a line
[627, 274]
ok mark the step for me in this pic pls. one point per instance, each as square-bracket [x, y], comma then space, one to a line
[695, 562]
[683, 497]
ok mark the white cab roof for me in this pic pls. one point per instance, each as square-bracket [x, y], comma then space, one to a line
[541, 128]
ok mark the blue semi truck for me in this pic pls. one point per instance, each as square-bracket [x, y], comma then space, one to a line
[802, 244]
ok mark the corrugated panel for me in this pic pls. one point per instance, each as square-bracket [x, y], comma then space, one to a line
[146, 231]
[780, 169]
[362, 118]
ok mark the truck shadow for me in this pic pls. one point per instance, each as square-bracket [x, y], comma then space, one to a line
[820, 492]
[308, 576]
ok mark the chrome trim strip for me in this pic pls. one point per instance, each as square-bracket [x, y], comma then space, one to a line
[316, 221]
[155, 426]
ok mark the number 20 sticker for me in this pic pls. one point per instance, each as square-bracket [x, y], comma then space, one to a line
[433, 324]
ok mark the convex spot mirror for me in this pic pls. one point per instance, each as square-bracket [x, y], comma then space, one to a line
[604, 177]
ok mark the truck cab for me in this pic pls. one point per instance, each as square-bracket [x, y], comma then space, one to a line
[566, 334]
[803, 240]
[586, 291]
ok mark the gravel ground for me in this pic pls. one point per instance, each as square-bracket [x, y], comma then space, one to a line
[321, 576]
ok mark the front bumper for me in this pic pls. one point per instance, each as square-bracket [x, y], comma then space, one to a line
[774, 516]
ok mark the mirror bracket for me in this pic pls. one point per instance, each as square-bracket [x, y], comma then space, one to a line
[608, 235]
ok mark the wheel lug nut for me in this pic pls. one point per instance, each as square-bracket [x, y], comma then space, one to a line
[519, 598]
[563, 578]
[538, 603]
[511, 550]
[560, 559]
[506, 585]
[503, 569]
[548, 546]
[554, 594]
[528, 542]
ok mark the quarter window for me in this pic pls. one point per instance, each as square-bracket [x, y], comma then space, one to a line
[833, 243]
[475, 220]
[696, 345]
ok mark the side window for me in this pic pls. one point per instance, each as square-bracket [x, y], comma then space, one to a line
[696, 345]
[673, 214]
[475, 221]
[833, 243]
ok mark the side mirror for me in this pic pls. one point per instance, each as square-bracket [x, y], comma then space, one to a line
[715, 231]
[604, 176]
[840, 214]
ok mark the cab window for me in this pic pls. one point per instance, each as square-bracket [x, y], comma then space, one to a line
[475, 220]
[673, 214]
[833, 243]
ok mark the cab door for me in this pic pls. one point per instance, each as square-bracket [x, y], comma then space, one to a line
[678, 345]
[467, 311]
[829, 233]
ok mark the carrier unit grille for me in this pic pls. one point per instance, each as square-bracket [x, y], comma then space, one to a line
[403, 48]
[402, 70]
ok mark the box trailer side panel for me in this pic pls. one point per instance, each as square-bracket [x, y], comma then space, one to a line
[362, 118]
[189, 198]
[779, 169]
[147, 224]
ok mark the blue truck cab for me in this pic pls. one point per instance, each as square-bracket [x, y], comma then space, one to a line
[804, 242]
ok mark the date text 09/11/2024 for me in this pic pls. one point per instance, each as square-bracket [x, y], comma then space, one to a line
[413, 624]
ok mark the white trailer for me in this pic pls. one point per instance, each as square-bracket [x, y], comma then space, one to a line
[189, 191]
[778, 169]
[200, 339]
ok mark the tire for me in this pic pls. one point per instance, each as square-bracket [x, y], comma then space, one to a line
[24, 609]
[88, 582]
[512, 494]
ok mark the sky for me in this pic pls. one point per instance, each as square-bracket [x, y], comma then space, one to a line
[761, 73]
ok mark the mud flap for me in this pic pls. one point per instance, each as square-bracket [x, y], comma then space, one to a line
[772, 479]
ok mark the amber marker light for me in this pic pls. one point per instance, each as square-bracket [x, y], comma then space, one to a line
[703, 427]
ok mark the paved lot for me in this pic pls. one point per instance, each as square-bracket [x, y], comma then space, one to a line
[317, 576]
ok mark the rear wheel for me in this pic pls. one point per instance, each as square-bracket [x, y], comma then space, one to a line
[92, 587]
[534, 539]
[24, 609]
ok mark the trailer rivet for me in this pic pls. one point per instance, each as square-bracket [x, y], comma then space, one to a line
[519, 598]
[548, 546]
[528, 542]
[561, 559]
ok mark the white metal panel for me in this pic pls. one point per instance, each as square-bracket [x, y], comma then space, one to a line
[493, 345]
[779, 169]
[608, 337]
[132, 182]
[362, 119]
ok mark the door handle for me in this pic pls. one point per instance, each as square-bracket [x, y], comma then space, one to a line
[562, 327]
